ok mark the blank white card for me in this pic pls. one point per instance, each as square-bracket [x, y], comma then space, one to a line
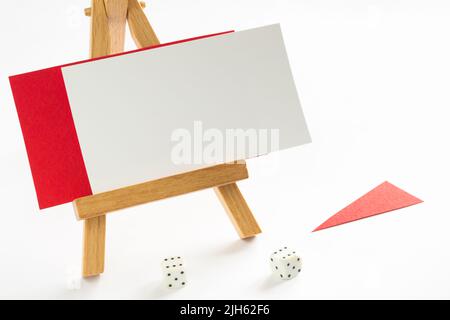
[131, 111]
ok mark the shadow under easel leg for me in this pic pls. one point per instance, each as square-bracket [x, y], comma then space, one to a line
[234, 246]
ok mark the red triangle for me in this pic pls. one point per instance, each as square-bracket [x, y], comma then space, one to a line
[384, 198]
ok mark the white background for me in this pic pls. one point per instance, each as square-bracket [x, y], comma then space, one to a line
[374, 82]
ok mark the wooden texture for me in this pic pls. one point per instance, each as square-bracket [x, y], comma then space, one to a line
[94, 246]
[98, 204]
[100, 37]
[238, 210]
[140, 28]
[88, 11]
[117, 21]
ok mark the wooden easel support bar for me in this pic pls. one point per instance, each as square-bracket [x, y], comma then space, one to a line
[238, 211]
[102, 43]
[102, 203]
[88, 11]
[94, 236]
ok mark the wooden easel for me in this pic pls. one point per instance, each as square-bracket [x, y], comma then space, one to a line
[108, 25]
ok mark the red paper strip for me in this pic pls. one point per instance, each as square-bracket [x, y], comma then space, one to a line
[384, 198]
[51, 140]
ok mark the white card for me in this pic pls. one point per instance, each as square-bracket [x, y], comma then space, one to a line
[129, 109]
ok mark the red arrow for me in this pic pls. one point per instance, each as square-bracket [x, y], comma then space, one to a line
[384, 198]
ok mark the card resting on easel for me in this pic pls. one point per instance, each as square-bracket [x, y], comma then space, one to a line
[108, 123]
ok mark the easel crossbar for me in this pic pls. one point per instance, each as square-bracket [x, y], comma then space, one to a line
[102, 203]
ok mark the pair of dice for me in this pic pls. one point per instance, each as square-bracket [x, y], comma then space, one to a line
[286, 264]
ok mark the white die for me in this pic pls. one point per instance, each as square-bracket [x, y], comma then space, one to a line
[174, 272]
[285, 263]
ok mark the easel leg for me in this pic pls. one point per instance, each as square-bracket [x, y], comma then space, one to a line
[238, 210]
[94, 246]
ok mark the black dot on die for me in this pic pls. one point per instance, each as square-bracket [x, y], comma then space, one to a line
[285, 247]
[165, 259]
[271, 259]
[299, 270]
[182, 272]
[288, 264]
[183, 283]
[179, 258]
[289, 255]
[176, 279]
[280, 250]
[284, 257]
[181, 264]
[298, 259]
[275, 252]
[167, 267]
[174, 265]
[172, 258]
[281, 275]
[276, 268]
[293, 268]
[289, 276]
[168, 274]
[170, 286]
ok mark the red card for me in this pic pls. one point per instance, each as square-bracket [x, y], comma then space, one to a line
[384, 198]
